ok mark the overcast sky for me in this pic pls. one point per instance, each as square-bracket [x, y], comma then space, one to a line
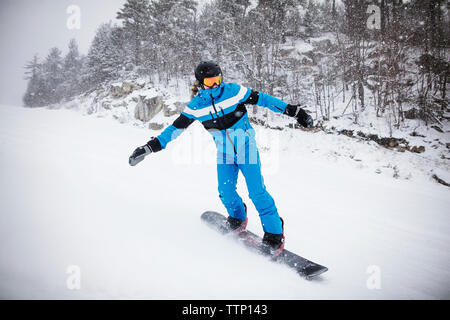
[30, 26]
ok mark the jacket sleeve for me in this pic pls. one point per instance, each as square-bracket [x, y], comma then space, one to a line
[264, 100]
[174, 130]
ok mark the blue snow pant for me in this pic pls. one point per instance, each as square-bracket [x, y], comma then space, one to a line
[227, 173]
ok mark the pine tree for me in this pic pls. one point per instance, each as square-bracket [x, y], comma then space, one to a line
[310, 19]
[136, 16]
[174, 46]
[33, 68]
[53, 75]
[33, 96]
[72, 65]
[105, 58]
[431, 30]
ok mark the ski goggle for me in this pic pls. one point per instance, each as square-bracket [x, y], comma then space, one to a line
[209, 82]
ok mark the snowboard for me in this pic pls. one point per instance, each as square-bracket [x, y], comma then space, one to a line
[304, 267]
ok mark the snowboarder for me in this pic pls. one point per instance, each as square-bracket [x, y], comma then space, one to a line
[220, 107]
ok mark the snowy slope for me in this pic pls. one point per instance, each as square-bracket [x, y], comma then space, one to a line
[68, 197]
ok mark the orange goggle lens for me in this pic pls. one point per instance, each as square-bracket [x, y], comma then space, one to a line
[213, 80]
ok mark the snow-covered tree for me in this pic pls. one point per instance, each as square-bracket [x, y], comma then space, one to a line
[174, 29]
[308, 50]
[136, 17]
[105, 57]
[53, 75]
[72, 65]
[33, 96]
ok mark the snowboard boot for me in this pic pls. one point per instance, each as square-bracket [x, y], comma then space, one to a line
[273, 244]
[236, 225]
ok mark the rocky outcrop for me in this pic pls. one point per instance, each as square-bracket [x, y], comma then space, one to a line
[123, 89]
[155, 126]
[138, 100]
[439, 180]
[176, 109]
[148, 108]
[398, 144]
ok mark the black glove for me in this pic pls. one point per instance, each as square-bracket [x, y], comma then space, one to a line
[141, 152]
[303, 118]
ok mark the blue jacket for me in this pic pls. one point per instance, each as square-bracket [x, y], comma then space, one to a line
[223, 113]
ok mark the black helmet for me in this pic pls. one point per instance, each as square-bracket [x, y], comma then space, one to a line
[207, 69]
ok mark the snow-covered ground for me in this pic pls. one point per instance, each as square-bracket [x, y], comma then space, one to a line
[69, 198]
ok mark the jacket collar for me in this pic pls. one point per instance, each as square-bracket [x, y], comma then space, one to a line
[215, 93]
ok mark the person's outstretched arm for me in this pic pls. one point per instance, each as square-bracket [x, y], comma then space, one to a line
[159, 143]
[264, 100]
